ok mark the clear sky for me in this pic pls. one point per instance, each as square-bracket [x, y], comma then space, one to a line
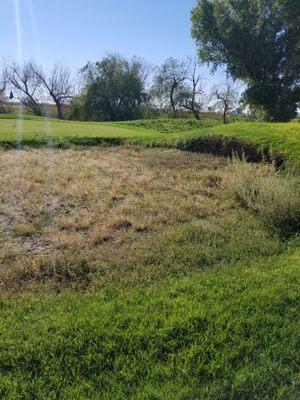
[77, 31]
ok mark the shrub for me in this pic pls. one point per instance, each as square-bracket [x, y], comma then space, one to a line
[76, 111]
[266, 191]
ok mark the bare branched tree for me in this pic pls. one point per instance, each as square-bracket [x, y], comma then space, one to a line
[168, 80]
[24, 82]
[57, 85]
[227, 98]
[191, 97]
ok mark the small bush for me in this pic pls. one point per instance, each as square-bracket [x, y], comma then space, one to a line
[264, 190]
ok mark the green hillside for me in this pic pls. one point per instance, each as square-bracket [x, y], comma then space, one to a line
[280, 138]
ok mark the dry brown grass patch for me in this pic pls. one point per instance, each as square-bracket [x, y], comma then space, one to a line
[56, 204]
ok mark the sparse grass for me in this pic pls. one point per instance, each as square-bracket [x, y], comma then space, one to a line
[94, 202]
[125, 214]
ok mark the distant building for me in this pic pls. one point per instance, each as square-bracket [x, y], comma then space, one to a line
[238, 111]
[242, 110]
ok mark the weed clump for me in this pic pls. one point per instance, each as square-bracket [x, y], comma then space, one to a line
[267, 192]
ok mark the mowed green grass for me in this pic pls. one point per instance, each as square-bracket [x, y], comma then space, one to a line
[280, 138]
[37, 130]
[230, 333]
[283, 138]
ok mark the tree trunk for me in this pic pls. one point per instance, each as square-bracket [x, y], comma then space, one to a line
[225, 114]
[196, 114]
[172, 100]
[59, 110]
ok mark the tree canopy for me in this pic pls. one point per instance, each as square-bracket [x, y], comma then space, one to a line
[114, 88]
[259, 42]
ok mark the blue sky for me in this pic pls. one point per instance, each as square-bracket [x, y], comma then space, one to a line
[76, 31]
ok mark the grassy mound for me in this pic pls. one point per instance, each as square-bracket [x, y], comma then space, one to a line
[258, 140]
[167, 125]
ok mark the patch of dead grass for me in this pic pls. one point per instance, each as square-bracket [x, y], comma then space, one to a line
[57, 203]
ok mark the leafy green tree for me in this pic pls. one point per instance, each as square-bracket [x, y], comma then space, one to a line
[114, 88]
[76, 108]
[259, 42]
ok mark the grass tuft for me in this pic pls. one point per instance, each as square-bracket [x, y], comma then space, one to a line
[266, 191]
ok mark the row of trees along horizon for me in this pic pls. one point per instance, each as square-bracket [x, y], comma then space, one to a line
[256, 41]
[116, 88]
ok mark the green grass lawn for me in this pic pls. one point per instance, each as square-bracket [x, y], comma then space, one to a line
[230, 333]
[203, 305]
[279, 138]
